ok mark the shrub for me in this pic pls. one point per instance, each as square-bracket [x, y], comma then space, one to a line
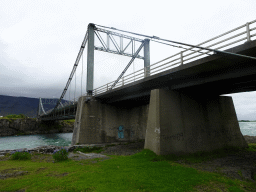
[20, 155]
[60, 154]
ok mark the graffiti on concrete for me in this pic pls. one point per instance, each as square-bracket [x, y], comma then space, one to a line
[121, 132]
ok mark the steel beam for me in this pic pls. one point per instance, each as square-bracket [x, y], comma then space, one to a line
[134, 56]
[115, 52]
[90, 59]
[146, 58]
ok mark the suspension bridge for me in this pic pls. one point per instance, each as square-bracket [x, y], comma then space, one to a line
[193, 78]
[117, 90]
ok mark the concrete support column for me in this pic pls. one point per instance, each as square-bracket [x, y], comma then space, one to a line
[179, 123]
[103, 123]
[88, 124]
[90, 59]
[146, 58]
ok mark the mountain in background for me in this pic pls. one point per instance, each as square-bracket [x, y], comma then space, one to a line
[20, 105]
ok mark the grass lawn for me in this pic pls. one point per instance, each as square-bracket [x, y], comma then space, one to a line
[143, 171]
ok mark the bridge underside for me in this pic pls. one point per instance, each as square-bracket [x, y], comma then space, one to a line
[172, 122]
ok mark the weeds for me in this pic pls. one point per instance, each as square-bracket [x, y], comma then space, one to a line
[20, 155]
[60, 155]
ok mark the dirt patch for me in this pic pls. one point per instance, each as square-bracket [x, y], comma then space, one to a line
[241, 165]
[114, 149]
[124, 149]
[211, 186]
[41, 158]
[57, 174]
[250, 139]
[83, 156]
[21, 190]
[40, 169]
[14, 172]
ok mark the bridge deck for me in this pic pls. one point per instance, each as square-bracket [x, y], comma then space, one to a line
[217, 74]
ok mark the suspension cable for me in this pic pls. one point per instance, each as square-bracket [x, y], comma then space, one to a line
[82, 74]
[74, 68]
[75, 89]
[179, 47]
[189, 45]
[69, 96]
[134, 63]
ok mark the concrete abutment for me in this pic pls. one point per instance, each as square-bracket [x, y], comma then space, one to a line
[172, 123]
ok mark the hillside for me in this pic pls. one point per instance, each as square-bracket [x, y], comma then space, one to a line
[19, 105]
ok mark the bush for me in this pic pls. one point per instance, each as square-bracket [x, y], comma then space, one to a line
[20, 155]
[60, 154]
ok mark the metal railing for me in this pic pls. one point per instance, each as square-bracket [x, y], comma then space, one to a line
[67, 104]
[226, 40]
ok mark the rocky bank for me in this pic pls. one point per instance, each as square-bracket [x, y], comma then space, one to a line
[10, 127]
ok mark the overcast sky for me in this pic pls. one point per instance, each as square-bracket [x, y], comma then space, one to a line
[40, 39]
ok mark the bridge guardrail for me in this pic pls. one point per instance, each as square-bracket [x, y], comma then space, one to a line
[232, 38]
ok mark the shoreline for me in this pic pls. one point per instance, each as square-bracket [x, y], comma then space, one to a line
[13, 127]
[250, 139]
[50, 148]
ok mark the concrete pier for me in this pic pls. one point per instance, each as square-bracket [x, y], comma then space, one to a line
[179, 123]
[103, 123]
[172, 123]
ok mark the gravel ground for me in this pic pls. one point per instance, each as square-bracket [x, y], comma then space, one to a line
[250, 139]
[124, 149]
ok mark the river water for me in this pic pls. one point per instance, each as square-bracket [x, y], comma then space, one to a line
[64, 139]
[32, 141]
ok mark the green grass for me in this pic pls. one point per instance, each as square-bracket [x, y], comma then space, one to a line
[69, 121]
[139, 172]
[14, 116]
[252, 147]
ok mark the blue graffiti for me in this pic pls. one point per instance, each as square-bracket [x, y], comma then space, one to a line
[121, 132]
[132, 133]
